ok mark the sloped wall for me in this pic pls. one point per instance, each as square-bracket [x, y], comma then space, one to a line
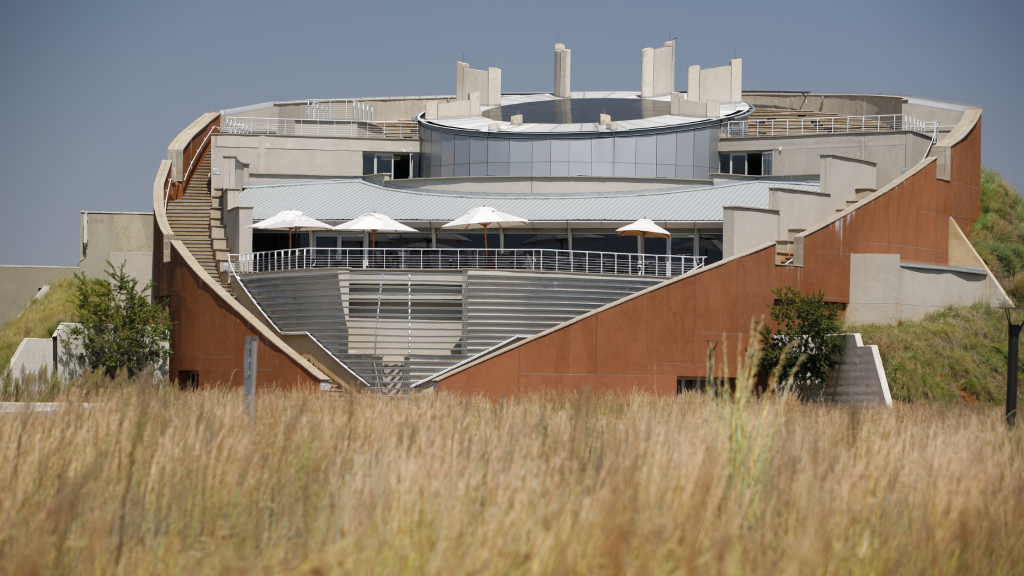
[209, 326]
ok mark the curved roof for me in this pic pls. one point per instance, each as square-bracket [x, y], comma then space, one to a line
[346, 198]
[545, 109]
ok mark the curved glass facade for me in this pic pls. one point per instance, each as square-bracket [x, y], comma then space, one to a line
[684, 153]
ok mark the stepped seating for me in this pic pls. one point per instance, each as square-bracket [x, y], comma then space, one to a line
[195, 220]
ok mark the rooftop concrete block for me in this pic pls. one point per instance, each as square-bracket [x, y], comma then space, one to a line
[682, 106]
[658, 70]
[563, 57]
[486, 82]
[723, 84]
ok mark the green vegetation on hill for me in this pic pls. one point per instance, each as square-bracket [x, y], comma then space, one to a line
[956, 354]
[998, 234]
[39, 319]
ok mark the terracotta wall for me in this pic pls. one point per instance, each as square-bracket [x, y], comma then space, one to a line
[209, 335]
[649, 339]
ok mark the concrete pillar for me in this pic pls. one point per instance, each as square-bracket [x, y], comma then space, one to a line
[517, 119]
[562, 69]
[460, 80]
[658, 70]
[693, 82]
[493, 87]
[736, 87]
[647, 72]
[665, 69]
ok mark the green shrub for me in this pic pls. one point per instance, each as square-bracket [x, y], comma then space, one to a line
[119, 327]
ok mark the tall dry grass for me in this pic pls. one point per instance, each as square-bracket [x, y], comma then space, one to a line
[168, 482]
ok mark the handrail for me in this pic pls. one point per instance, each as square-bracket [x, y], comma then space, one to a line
[398, 129]
[185, 176]
[347, 110]
[534, 259]
[828, 125]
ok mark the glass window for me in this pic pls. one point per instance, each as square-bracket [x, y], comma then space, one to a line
[553, 240]
[607, 243]
[267, 240]
[326, 241]
[410, 240]
[682, 244]
[466, 239]
[711, 247]
[739, 164]
[766, 163]
[654, 245]
[724, 164]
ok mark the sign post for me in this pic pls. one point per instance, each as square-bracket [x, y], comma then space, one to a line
[249, 375]
[1011, 367]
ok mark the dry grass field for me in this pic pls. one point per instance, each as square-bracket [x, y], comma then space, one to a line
[169, 482]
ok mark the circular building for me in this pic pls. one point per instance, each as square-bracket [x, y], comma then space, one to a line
[611, 134]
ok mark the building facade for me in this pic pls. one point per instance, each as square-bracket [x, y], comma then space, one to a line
[867, 197]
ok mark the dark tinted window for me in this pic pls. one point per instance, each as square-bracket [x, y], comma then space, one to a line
[711, 246]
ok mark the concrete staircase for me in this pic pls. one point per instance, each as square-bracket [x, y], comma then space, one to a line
[195, 219]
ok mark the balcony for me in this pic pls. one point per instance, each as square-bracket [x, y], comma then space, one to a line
[532, 260]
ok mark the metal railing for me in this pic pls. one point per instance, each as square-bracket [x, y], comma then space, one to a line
[340, 110]
[191, 165]
[456, 259]
[326, 128]
[828, 125]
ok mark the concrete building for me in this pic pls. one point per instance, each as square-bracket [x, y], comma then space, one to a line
[120, 237]
[866, 197]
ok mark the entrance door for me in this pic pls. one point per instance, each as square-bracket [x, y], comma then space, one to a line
[401, 166]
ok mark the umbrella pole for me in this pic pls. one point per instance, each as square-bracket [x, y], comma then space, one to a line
[485, 236]
[374, 246]
[290, 238]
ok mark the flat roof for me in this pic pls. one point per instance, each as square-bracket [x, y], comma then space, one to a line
[546, 114]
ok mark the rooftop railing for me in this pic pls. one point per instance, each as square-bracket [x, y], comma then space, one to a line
[319, 127]
[457, 259]
[828, 125]
[339, 110]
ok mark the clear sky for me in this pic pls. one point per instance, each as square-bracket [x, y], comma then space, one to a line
[91, 93]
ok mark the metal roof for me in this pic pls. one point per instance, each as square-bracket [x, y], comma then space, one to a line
[336, 201]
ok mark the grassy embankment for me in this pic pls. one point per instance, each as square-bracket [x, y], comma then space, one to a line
[39, 319]
[171, 482]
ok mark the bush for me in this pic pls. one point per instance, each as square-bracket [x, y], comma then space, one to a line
[998, 233]
[807, 344]
[119, 327]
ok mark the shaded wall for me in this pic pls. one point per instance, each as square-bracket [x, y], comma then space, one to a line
[649, 339]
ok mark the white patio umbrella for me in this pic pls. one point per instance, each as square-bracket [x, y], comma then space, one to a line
[374, 222]
[482, 217]
[291, 220]
[644, 227]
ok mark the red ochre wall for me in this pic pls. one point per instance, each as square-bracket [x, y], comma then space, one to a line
[647, 340]
[209, 334]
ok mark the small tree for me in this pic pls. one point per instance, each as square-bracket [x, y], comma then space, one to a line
[807, 344]
[118, 326]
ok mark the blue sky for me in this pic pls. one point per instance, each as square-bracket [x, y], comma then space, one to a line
[92, 93]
